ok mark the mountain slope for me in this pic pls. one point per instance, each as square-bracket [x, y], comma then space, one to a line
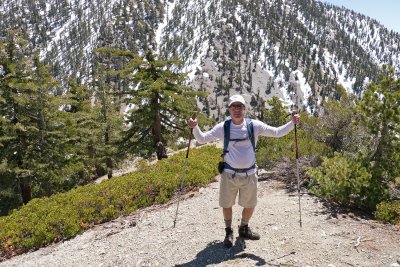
[297, 50]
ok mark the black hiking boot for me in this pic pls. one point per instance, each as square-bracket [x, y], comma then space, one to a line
[228, 241]
[245, 232]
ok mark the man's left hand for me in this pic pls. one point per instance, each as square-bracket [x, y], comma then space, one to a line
[296, 118]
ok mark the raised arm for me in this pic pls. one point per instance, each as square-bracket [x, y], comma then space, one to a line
[204, 137]
[270, 131]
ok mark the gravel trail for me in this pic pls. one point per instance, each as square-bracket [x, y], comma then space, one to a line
[147, 238]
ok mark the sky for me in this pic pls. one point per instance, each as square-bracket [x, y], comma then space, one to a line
[386, 12]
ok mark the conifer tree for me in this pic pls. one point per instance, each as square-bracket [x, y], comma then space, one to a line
[52, 132]
[15, 87]
[160, 103]
[337, 118]
[84, 128]
[380, 112]
[32, 123]
[107, 111]
[276, 115]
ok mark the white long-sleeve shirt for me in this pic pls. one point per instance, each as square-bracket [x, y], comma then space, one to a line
[241, 154]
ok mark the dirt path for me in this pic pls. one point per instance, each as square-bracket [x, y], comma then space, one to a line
[149, 239]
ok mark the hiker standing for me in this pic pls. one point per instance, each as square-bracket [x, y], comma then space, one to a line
[239, 170]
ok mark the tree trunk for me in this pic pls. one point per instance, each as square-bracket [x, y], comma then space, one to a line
[26, 191]
[109, 162]
[157, 136]
[24, 184]
[109, 168]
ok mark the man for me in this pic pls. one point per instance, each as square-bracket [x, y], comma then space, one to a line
[239, 173]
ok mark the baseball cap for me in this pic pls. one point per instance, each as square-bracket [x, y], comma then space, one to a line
[236, 98]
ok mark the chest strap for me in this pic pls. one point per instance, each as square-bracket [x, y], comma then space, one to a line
[227, 134]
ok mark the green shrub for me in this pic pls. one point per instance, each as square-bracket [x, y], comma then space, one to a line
[64, 215]
[388, 212]
[345, 181]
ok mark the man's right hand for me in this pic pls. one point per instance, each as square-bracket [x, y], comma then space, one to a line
[192, 123]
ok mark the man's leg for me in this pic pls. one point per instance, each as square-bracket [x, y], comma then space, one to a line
[248, 200]
[227, 213]
[227, 195]
[244, 229]
[246, 215]
[228, 241]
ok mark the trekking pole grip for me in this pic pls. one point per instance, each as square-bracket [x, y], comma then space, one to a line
[295, 135]
[194, 114]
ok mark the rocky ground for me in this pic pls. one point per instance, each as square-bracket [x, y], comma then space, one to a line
[327, 237]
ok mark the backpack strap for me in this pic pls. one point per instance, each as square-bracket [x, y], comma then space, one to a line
[227, 134]
[250, 130]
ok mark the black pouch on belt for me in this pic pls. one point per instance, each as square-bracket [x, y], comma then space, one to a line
[221, 166]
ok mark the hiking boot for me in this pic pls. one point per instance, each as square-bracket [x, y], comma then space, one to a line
[245, 232]
[228, 241]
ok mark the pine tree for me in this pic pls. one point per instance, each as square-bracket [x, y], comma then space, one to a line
[32, 123]
[51, 149]
[160, 103]
[15, 86]
[337, 118]
[108, 113]
[81, 168]
[276, 115]
[380, 112]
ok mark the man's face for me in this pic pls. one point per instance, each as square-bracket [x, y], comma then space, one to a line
[236, 110]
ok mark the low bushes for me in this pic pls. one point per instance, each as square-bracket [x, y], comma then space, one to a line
[345, 181]
[388, 212]
[64, 215]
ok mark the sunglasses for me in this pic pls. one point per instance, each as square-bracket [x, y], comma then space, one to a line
[236, 107]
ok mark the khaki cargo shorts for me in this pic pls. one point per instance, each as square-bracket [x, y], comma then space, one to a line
[246, 186]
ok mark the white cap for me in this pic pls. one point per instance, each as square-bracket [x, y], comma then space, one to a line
[236, 98]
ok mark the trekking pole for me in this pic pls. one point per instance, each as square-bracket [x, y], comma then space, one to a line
[297, 167]
[184, 170]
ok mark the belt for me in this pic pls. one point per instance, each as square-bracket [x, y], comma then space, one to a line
[227, 166]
